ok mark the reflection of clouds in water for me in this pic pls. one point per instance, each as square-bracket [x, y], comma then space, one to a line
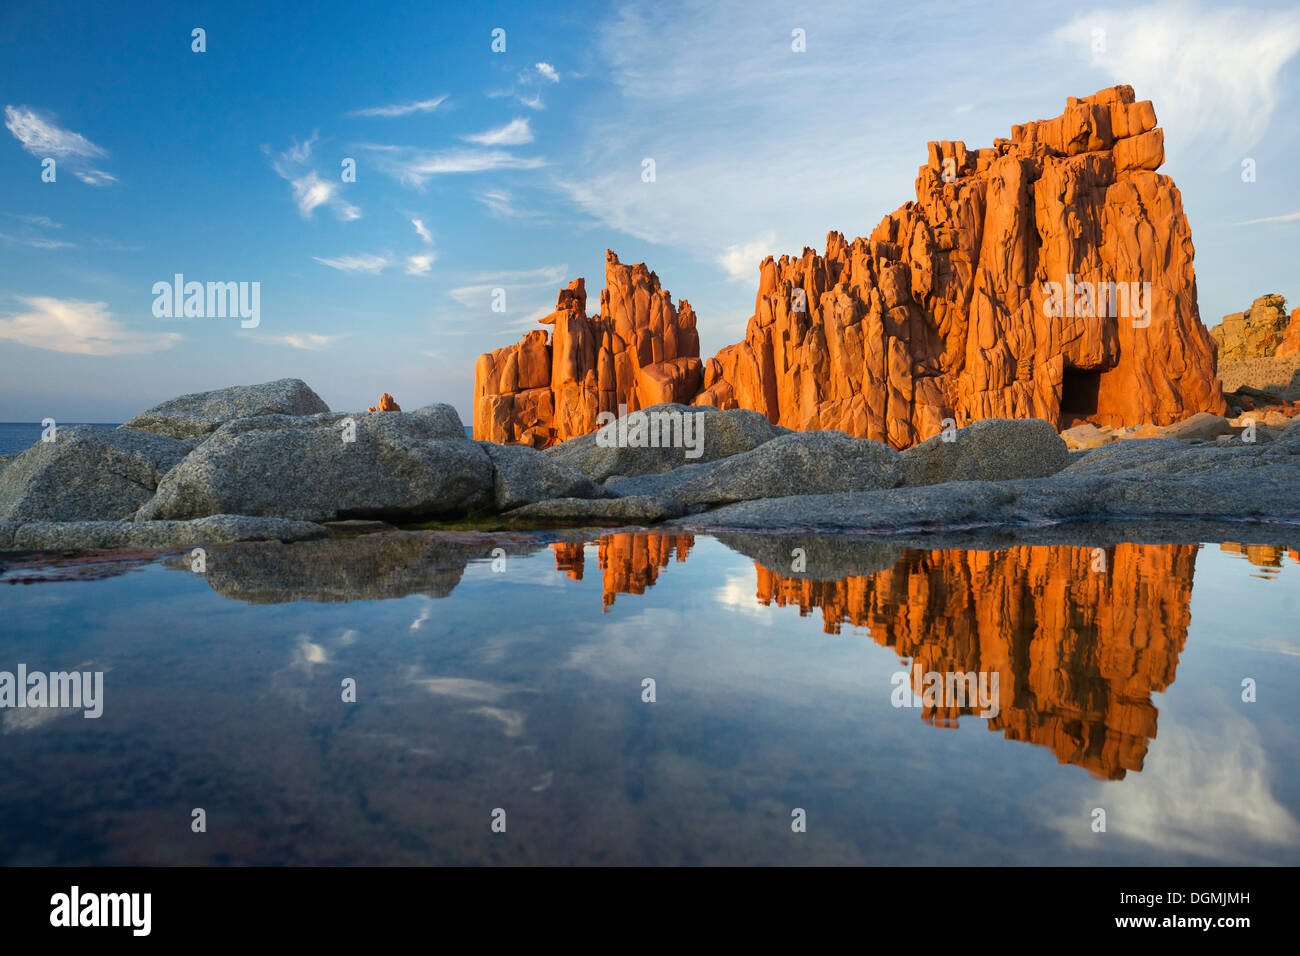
[424, 616]
[1201, 793]
[306, 655]
[512, 721]
[480, 692]
[462, 688]
[739, 593]
[30, 718]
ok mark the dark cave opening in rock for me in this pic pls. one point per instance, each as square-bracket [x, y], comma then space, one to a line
[1079, 393]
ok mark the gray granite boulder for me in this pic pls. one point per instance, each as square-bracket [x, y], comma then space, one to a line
[995, 449]
[799, 463]
[634, 509]
[87, 535]
[623, 447]
[201, 413]
[524, 475]
[87, 474]
[394, 468]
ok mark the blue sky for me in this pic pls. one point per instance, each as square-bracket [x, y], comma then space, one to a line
[522, 167]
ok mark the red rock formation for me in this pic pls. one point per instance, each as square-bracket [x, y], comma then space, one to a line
[630, 560]
[639, 351]
[386, 404]
[1079, 647]
[945, 311]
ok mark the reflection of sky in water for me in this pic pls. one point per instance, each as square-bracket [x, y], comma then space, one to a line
[516, 691]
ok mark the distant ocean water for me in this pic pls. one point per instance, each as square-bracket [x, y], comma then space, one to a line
[17, 437]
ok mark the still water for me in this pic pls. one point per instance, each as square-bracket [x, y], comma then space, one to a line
[518, 683]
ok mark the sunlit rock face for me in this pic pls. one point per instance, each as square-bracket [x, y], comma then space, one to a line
[629, 562]
[641, 350]
[1079, 637]
[1047, 276]
[947, 309]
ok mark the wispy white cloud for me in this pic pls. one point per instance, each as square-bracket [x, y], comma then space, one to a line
[401, 109]
[82, 328]
[1289, 217]
[480, 290]
[308, 341]
[35, 242]
[547, 72]
[422, 230]
[41, 136]
[366, 263]
[40, 222]
[1213, 74]
[310, 191]
[514, 133]
[415, 168]
[419, 265]
[501, 203]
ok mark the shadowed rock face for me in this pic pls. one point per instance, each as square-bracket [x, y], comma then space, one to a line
[1079, 637]
[640, 351]
[1048, 276]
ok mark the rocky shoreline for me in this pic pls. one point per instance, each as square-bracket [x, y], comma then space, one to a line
[272, 463]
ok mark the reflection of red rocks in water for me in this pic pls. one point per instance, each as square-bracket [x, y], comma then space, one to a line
[631, 561]
[1267, 556]
[1078, 652]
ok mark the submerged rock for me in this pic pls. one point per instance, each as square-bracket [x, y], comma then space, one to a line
[201, 413]
[87, 473]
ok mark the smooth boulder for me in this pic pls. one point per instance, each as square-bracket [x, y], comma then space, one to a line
[96, 535]
[799, 463]
[623, 448]
[995, 449]
[522, 475]
[202, 413]
[396, 467]
[87, 473]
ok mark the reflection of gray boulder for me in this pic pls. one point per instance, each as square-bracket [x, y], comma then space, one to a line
[821, 557]
[87, 473]
[399, 467]
[717, 434]
[995, 449]
[87, 535]
[800, 463]
[524, 475]
[369, 568]
[200, 413]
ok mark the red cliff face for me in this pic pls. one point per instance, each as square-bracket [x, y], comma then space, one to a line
[1079, 644]
[639, 351]
[1049, 275]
